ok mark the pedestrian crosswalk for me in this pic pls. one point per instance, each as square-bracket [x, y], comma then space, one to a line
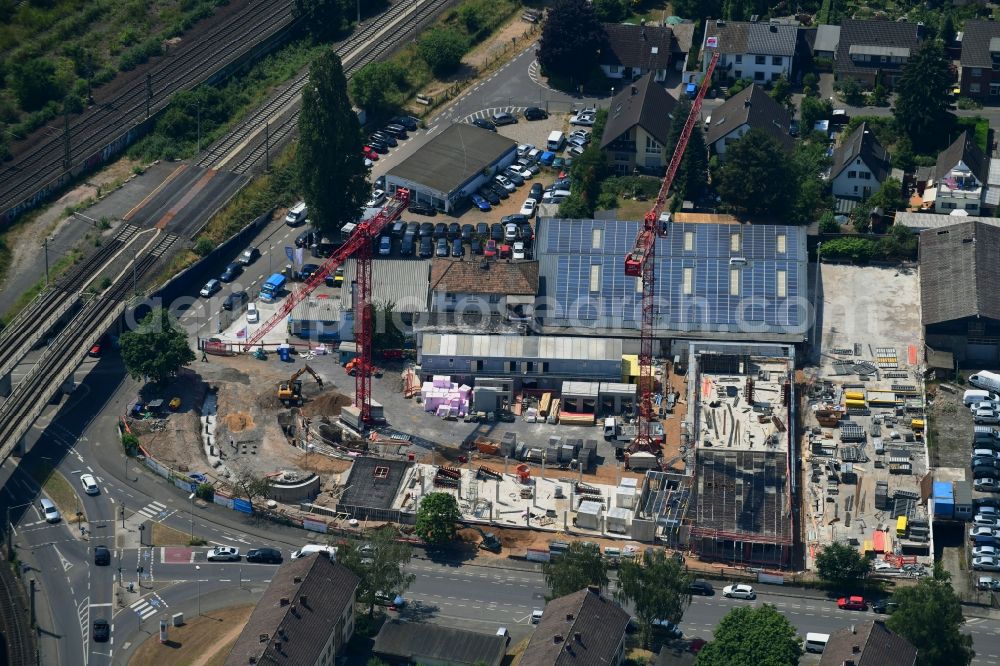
[149, 606]
[153, 510]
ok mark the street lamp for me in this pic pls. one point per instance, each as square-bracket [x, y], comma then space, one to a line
[270, 249]
[7, 527]
[198, 568]
[191, 512]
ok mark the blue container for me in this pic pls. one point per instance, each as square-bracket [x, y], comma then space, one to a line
[944, 509]
[285, 354]
[944, 490]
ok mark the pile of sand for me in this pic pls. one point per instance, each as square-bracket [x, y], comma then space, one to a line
[328, 403]
[239, 421]
[321, 464]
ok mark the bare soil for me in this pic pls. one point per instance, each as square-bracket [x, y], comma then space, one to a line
[320, 464]
[198, 642]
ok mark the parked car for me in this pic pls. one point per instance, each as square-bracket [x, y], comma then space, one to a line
[524, 148]
[484, 124]
[442, 247]
[740, 591]
[580, 137]
[528, 207]
[422, 209]
[505, 183]
[534, 113]
[369, 154]
[575, 150]
[89, 484]
[454, 230]
[378, 146]
[482, 229]
[249, 255]
[253, 314]
[524, 173]
[703, 587]
[49, 511]
[503, 118]
[476, 245]
[440, 230]
[536, 191]
[223, 554]
[514, 176]
[408, 245]
[510, 232]
[211, 287]
[497, 231]
[409, 122]
[426, 248]
[584, 118]
[666, 629]
[983, 532]
[852, 603]
[530, 167]
[983, 520]
[488, 194]
[500, 190]
[234, 300]
[386, 138]
[398, 131]
[457, 249]
[102, 631]
[467, 232]
[884, 606]
[426, 229]
[985, 484]
[264, 555]
[102, 556]
[491, 249]
[519, 251]
[378, 196]
[304, 239]
[385, 246]
[482, 204]
[985, 551]
[986, 563]
[306, 272]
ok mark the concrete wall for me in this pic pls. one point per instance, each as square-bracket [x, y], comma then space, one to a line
[292, 493]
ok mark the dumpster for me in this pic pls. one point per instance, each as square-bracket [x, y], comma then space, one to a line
[285, 354]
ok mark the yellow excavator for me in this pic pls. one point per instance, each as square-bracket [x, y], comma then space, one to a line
[290, 392]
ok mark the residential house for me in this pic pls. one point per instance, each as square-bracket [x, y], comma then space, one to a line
[860, 165]
[979, 66]
[305, 617]
[404, 643]
[868, 643]
[580, 628]
[633, 51]
[960, 178]
[751, 108]
[506, 288]
[826, 40]
[870, 51]
[639, 119]
[762, 52]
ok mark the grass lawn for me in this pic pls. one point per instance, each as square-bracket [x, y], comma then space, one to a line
[653, 11]
[630, 209]
[203, 641]
[168, 536]
[59, 489]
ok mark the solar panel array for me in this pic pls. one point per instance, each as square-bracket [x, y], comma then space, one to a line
[695, 267]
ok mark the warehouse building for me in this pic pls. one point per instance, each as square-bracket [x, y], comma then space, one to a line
[715, 280]
[960, 303]
[399, 282]
[452, 165]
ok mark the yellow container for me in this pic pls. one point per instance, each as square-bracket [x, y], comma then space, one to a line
[854, 403]
[917, 424]
[901, 526]
[855, 395]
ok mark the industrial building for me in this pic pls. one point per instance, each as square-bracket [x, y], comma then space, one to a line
[321, 319]
[714, 281]
[740, 424]
[960, 303]
[452, 166]
[399, 282]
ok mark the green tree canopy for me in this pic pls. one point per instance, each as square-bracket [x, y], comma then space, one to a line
[929, 615]
[580, 566]
[755, 177]
[331, 168]
[657, 587]
[379, 561]
[781, 91]
[814, 109]
[571, 39]
[809, 161]
[692, 175]
[841, 564]
[746, 635]
[611, 11]
[156, 349]
[35, 82]
[442, 49]
[436, 518]
[921, 108]
[379, 88]
[326, 19]
[387, 334]
[889, 197]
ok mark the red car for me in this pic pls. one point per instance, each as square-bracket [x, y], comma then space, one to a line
[851, 603]
[369, 153]
[491, 248]
[505, 251]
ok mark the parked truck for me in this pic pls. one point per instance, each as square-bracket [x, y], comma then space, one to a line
[271, 289]
[986, 380]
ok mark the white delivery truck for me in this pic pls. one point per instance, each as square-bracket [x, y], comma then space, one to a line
[975, 396]
[986, 380]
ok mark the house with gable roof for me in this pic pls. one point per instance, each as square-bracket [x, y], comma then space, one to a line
[751, 108]
[860, 165]
[638, 126]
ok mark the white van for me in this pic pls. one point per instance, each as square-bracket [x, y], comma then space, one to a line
[610, 428]
[312, 548]
[556, 142]
[816, 642]
[975, 396]
[988, 381]
[297, 214]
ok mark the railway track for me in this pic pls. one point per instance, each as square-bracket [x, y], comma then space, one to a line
[286, 105]
[111, 123]
[14, 622]
[36, 320]
[70, 346]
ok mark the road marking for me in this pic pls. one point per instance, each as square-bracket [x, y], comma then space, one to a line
[152, 509]
[100, 605]
[66, 564]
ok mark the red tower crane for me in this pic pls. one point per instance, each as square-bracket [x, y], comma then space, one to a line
[640, 263]
[359, 244]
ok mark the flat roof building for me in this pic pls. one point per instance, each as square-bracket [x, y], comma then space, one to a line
[452, 165]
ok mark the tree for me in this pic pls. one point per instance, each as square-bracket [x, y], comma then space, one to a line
[157, 349]
[692, 175]
[781, 91]
[900, 242]
[571, 39]
[379, 562]
[948, 29]
[841, 564]
[436, 518]
[35, 83]
[698, 9]
[851, 92]
[378, 88]
[748, 635]
[388, 335]
[809, 161]
[921, 108]
[658, 588]
[929, 615]
[130, 443]
[442, 49]
[251, 484]
[828, 223]
[889, 196]
[579, 567]
[755, 177]
[331, 167]
[326, 19]
[813, 110]
[610, 11]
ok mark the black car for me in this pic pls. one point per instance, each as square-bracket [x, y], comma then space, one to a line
[426, 248]
[398, 229]
[440, 230]
[482, 229]
[409, 122]
[454, 230]
[422, 209]
[534, 113]
[304, 239]
[442, 247]
[499, 189]
[264, 555]
[407, 245]
[980, 502]
[235, 300]
[467, 231]
[536, 191]
[102, 631]
[249, 255]
[504, 118]
[380, 147]
[457, 249]
[102, 556]
[426, 229]
[411, 228]
[884, 606]
[490, 196]
[514, 177]
[379, 183]
[385, 138]
[397, 131]
[231, 272]
[306, 271]
[496, 231]
[484, 124]
[515, 219]
[702, 587]
[476, 245]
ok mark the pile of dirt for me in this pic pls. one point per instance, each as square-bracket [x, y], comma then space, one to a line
[321, 464]
[328, 403]
[239, 421]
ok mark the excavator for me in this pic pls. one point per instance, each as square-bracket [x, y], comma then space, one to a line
[490, 541]
[290, 392]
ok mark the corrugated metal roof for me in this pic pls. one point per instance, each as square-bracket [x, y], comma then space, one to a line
[519, 347]
[404, 282]
[922, 221]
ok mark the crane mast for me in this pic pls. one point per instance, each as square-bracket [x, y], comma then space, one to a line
[640, 263]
